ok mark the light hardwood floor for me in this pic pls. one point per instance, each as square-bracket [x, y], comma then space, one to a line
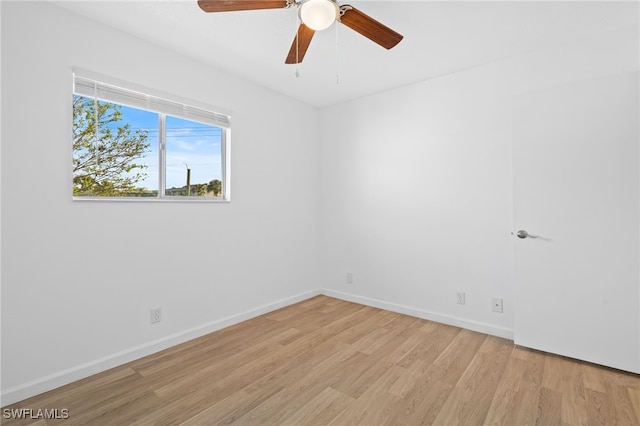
[329, 362]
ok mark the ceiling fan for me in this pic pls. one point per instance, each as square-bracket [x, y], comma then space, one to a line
[315, 15]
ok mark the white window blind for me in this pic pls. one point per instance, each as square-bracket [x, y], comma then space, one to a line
[111, 93]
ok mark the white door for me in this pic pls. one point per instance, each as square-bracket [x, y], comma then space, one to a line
[577, 191]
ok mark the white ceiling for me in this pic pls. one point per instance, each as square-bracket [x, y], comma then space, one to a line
[439, 38]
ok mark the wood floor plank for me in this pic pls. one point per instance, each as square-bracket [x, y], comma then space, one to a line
[423, 402]
[25, 421]
[504, 406]
[526, 405]
[378, 362]
[594, 378]
[387, 380]
[623, 378]
[471, 397]
[574, 405]
[325, 361]
[228, 410]
[281, 406]
[107, 397]
[375, 409]
[221, 372]
[375, 405]
[549, 407]
[321, 409]
[310, 366]
[407, 379]
[371, 319]
[599, 408]
[535, 364]
[195, 353]
[305, 383]
[634, 397]
[434, 339]
[553, 377]
[394, 324]
[622, 404]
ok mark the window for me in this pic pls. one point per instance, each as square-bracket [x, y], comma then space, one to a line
[131, 145]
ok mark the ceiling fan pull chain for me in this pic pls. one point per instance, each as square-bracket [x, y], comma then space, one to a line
[337, 58]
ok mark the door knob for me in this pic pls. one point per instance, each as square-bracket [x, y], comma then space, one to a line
[522, 234]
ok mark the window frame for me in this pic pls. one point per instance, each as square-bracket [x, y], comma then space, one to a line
[164, 104]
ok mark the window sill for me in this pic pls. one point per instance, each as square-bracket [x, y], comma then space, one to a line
[216, 200]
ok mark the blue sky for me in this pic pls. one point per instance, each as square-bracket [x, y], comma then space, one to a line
[188, 143]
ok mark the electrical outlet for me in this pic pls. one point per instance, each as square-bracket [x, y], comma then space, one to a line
[349, 278]
[496, 305]
[460, 298]
[156, 315]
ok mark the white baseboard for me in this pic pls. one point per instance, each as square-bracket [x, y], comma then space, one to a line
[493, 330]
[62, 378]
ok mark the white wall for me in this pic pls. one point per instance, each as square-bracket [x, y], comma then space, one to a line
[79, 278]
[417, 195]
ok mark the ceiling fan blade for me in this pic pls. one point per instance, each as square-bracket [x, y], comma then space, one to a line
[369, 27]
[300, 45]
[233, 5]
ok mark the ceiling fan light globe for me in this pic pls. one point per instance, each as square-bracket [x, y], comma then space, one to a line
[318, 14]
